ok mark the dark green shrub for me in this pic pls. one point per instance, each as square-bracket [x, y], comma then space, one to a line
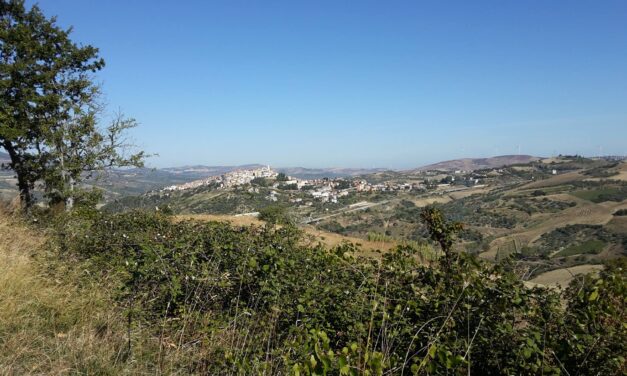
[261, 301]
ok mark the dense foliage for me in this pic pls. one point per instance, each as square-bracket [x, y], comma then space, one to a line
[260, 299]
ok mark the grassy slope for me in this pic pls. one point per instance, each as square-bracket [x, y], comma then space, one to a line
[563, 276]
[55, 320]
[49, 325]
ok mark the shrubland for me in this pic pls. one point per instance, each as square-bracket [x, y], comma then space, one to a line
[209, 298]
[89, 292]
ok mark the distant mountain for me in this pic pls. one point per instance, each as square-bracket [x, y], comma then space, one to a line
[317, 173]
[138, 181]
[201, 171]
[469, 164]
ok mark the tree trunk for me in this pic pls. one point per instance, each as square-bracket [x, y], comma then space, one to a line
[69, 200]
[26, 196]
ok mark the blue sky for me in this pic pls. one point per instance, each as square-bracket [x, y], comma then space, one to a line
[360, 83]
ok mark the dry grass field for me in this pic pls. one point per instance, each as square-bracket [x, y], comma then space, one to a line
[242, 220]
[327, 238]
[584, 213]
[469, 192]
[618, 225]
[560, 278]
[54, 321]
[47, 325]
[553, 181]
[420, 202]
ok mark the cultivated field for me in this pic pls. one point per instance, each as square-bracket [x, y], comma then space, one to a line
[562, 277]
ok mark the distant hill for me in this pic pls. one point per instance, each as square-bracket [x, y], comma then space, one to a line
[138, 181]
[337, 172]
[201, 171]
[469, 164]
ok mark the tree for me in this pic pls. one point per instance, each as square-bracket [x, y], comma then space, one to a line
[78, 149]
[343, 184]
[42, 74]
[276, 215]
[441, 230]
[49, 106]
[261, 182]
[281, 177]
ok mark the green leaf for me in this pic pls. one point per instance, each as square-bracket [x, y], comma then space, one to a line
[432, 351]
[593, 296]
[414, 369]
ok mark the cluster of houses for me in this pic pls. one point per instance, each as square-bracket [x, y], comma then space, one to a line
[325, 190]
[364, 186]
[230, 179]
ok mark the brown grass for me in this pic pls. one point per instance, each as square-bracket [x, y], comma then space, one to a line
[584, 213]
[327, 238]
[243, 220]
[562, 277]
[618, 225]
[47, 325]
[420, 202]
[554, 181]
[55, 319]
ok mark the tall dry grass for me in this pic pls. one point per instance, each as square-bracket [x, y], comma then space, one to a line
[55, 319]
[48, 324]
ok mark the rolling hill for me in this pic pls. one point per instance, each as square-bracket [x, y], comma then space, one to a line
[470, 164]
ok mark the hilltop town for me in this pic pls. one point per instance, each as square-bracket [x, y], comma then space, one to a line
[326, 189]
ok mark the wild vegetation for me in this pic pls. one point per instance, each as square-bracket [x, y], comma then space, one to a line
[88, 291]
[205, 297]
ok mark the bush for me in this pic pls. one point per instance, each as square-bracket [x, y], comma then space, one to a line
[256, 300]
[620, 212]
[275, 215]
[594, 338]
[260, 182]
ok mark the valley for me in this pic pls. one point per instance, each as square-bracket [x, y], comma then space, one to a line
[544, 215]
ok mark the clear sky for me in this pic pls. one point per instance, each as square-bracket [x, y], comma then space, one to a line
[360, 83]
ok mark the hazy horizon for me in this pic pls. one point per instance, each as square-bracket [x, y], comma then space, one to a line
[392, 85]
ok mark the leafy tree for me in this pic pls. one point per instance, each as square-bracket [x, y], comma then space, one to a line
[281, 177]
[289, 187]
[261, 182]
[42, 73]
[78, 149]
[275, 215]
[49, 106]
[343, 184]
